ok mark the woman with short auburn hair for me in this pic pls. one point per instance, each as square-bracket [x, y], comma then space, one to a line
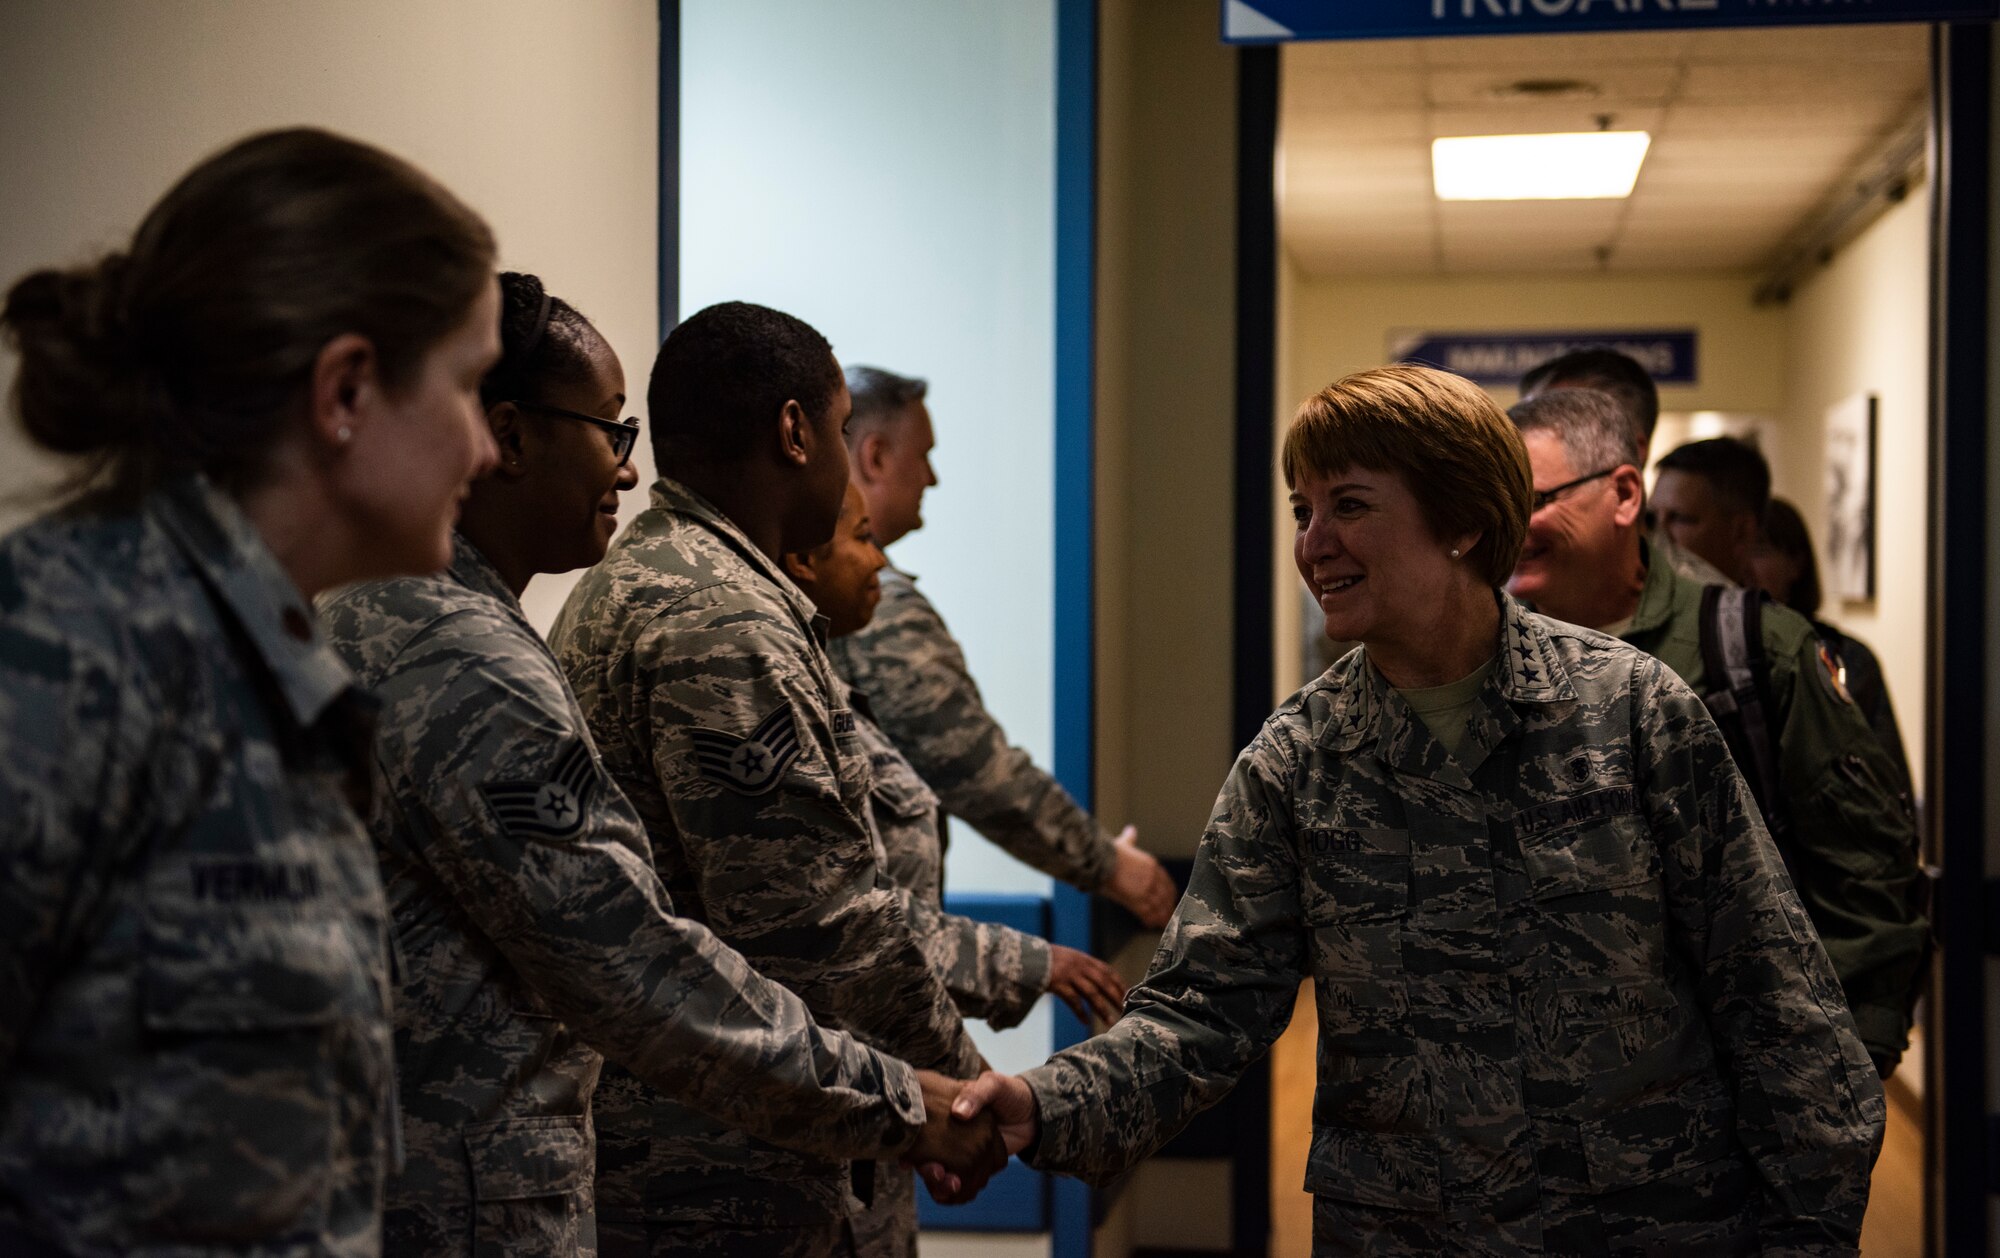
[1568, 1001]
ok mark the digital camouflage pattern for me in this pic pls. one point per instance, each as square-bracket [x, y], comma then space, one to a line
[1568, 1002]
[533, 933]
[1853, 844]
[195, 1054]
[992, 971]
[913, 671]
[699, 668]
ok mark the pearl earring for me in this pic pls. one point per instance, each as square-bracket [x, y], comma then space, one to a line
[1454, 553]
[342, 435]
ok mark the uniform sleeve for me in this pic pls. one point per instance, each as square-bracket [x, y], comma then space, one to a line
[769, 798]
[1851, 819]
[925, 699]
[66, 721]
[547, 858]
[1220, 991]
[1809, 1109]
[992, 971]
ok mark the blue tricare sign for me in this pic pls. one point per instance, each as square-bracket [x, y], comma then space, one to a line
[1500, 358]
[1277, 21]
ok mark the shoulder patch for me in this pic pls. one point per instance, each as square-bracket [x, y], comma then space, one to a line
[552, 808]
[753, 765]
[1832, 672]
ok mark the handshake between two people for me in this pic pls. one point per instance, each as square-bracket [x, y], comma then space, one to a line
[970, 1130]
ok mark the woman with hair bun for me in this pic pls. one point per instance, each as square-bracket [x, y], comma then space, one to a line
[272, 391]
[534, 932]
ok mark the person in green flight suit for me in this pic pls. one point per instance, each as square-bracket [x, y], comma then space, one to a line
[1851, 843]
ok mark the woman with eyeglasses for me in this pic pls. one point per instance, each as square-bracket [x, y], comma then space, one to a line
[532, 933]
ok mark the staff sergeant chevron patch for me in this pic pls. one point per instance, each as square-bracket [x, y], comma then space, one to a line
[550, 809]
[753, 765]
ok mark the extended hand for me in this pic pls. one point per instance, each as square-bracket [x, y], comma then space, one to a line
[1092, 990]
[1005, 1098]
[958, 1155]
[1140, 883]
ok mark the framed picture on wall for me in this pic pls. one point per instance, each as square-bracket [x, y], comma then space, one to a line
[1850, 498]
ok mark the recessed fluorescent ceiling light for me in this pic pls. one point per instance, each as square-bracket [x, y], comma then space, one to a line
[1570, 165]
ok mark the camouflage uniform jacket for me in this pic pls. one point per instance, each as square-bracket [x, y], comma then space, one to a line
[700, 670]
[521, 887]
[1853, 844]
[911, 668]
[992, 971]
[1568, 1002]
[195, 1053]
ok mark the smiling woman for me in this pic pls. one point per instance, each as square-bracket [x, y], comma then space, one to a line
[1568, 1002]
[274, 388]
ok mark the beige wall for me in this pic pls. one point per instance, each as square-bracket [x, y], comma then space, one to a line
[543, 116]
[1341, 325]
[1166, 370]
[1862, 326]
[1165, 398]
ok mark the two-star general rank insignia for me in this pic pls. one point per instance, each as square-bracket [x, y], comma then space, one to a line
[749, 766]
[549, 809]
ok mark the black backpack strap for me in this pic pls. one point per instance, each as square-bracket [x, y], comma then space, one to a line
[1739, 678]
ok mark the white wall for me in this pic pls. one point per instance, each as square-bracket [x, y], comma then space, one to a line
[543, 117]
[1862, 325]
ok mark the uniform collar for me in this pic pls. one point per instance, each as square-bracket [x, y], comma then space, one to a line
[1366, 710]
[472, 569]
[1656, 597]
[232, 560]
[672, 496]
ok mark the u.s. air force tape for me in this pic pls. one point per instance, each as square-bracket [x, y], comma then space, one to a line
[752, 765]
[552, 808]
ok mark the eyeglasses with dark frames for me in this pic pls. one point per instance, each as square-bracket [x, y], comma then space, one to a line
[624, 433]
[1543, 497]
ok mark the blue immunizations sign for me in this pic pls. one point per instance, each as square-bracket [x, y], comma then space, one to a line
[1275, 21]
[1501, 358]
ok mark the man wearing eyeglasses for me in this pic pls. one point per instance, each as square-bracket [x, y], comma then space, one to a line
[1621, 378]
[1831, 799]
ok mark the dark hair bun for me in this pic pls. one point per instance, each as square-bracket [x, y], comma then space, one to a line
[543, 340]
[82, 388]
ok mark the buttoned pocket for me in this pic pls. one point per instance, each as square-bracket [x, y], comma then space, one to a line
[531, 1186]
[257, 1026]
[1690, 1127]
[1609, 855]
[1393, 1170]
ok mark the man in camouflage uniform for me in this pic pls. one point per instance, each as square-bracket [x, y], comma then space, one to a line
[532, 934]
[701, 671]
[909, 665]
[1852, 846]
[195, 1048]
[1568, 1003]
[1621, 378]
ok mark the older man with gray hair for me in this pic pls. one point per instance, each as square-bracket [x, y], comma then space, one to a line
[1827, 789]
[911, 668]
